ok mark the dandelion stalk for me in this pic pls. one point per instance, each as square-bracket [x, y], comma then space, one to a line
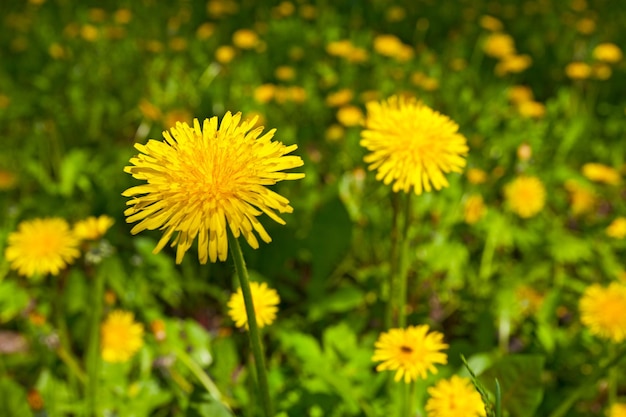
[393, 272]
[93, 352]
[403, 261]
[253, 330]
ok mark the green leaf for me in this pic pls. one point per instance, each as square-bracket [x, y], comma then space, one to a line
[340, 300]
[566, 248]
[13, 399]
[520, 381]
[13, 300]
[202, 404]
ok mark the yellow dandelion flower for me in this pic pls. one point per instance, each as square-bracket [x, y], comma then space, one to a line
[529, 299]
[607, 52]
[491, 23]
[499, 45]
[8, 180]
[388, 45]
[617, 410]
[454, 397]
[41, 246]
[582, 200]
[603, 311]
[350, 116]
[89, 33]
[601, 173]
[121, 336]
[285, 73]
[411, 352]
[4, 101]
[224, 54]
[476, 176]
[524, 152]
[513, 64]
[601, 71]
[525, 196]
[578, 70]
[122, 16]
[264, 93]
[617, 228]
[532, 109]
[201, 180]
[265, 301]
[474, 209]
[92, 227]
[335, 132]
[357, 55]
[519, 94]
[205, 31]
[245, 39]
[341, 48]
[339, 98]
[586, 26]
[411, 145]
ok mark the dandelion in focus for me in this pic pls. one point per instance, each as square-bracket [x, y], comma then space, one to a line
[617, 228]
[265, 301]
[525, 196]
[454, 397]
[41, 246]
[412, 352]
[603, 311]
[92, 228]
[121, 336]
[201, 180]
[411, 145]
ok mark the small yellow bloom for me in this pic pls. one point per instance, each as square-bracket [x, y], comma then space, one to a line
[89, 33]
[525, 196]
[578, 70]
[122, 16]
[499, 45]
[245, 39]
[532, 109]
[601, 71]
[285, 73]
[513, 64]
[491, 23]
[617, 228]
[335, 132]
[205, 31]
[4, 101]
[524, 152]
[121, 337]
[520, 94]
[341, 48]
[265, 301]
[339, 98]
[582, 200]
[92, 227]
[529, 299]
[388, 45]
[56, 51]
[411, 145]
[41, 246]
[412, 352]
[618, 410]
[601, 173]
[178, 44]
[607, 52]
[476, 176]
[603, 311]
[586, 26]
[264, 93]
[224, 54]
[474, 209]
[350, 116]
[8, 180]
[455, 397]
[395, 14]
[297, 94]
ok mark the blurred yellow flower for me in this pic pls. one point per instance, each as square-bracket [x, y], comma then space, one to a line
[335, 132]
[89, 33]
[4, 101]
[454, 397]
[411, 145]
[578, 70]
[308, 11]
[178, 43]
[297, 94]
[617, 228]
[8, 180]
[531, 109]
[601, 173]
[285, 9]
[513, 64]
[149, 110]
[617, 410]
[519, 94]
[221, 8]
[607, 52]
[476, 176]
[412, 352]
[97, 14]
[121, 337]
[122, 16]
[177, 115]
[582, 200]
[340, 48]
[491, 23]
[224, 54]
[92, 227]
[388, 45]
[395, 14]
[474, 209]
[245, 39]
[350, 116]
[586, 26]
[157, 327]
[205, 31]
[285, 73]
[201, 180]
[265, 301]
[524, 152]
[41, 246]
[529, 299]
[603, 311]
[56, 51]
[339, 98]
[264, 93]
[601, 71]
[525, 196]
[499, 45]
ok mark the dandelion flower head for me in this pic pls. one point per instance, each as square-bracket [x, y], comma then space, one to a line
[92, 228]
[603, 311]
[265, 301]
[41, 246]
[525, 196]
[454, 397]
[201, 180]
[412, 145]
[617, 410]
[601, 173]
[607, 52]
[617, 228]
[121, 336]
[411, 352]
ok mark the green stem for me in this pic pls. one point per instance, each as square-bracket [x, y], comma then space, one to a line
[390, 313]
[93, 348]
[199, 373]
[403, 261]
[72, 364]
[612, 377]
[253, 330]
